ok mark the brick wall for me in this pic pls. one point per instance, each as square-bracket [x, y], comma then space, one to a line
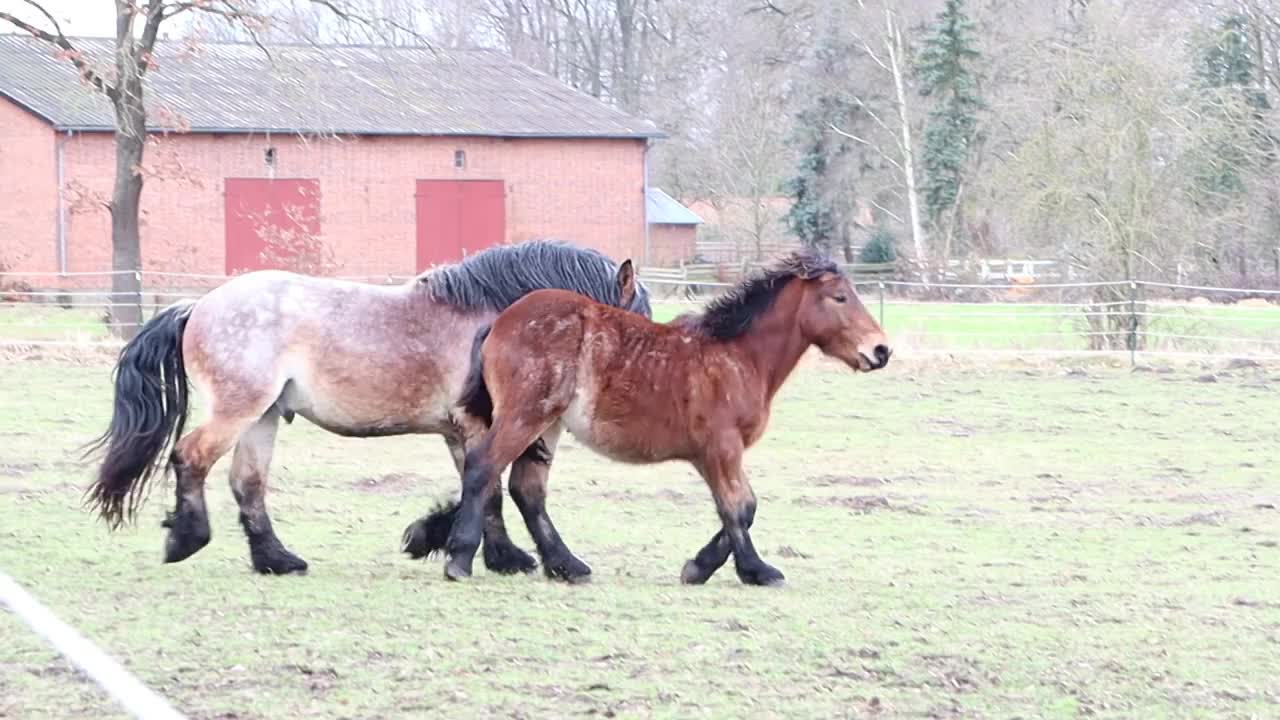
[586, 191]
[669, 244]
[28, 191]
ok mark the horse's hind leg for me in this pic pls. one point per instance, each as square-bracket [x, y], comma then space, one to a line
[193, 456]
[529, 490]
[249, 466]
[499, 448]
[429, 533]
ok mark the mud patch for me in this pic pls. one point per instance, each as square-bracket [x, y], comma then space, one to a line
[26, 489]
[1254, 603]
[950, 426]
[860, 504]
[956, 673]
[787, 551]
[1214, 518]
[17, 470]
[391, 483]
[845, 480]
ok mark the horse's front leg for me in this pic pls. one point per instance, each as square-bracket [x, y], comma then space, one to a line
[721, 467]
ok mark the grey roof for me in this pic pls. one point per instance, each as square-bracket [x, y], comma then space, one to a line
[662, 209]
[356, 90]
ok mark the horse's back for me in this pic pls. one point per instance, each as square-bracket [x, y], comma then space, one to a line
[346, 351]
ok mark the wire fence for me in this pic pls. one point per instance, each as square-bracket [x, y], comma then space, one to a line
[1107, 317]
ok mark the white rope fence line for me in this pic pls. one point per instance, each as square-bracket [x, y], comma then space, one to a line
[1041, 352]
[78, 344]
[660, 280]
[1001, 286]
[110, 675]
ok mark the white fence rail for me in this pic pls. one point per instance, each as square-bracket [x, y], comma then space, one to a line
[1133, 318]
[141, 701]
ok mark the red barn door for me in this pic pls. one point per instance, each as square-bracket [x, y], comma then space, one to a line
[260, 211]
[457, 218]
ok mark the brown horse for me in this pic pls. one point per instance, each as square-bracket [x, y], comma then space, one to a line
[356, 359]
[698, 390]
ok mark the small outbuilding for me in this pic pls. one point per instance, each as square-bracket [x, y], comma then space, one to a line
[673, 229]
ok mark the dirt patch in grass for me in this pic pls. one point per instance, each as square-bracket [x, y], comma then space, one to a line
[956, 674]
[861, 504]
[845, 480]
[17, 469]
[395, 483]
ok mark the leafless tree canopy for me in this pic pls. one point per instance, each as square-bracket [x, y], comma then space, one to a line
[1126, 136]
[1097, 137]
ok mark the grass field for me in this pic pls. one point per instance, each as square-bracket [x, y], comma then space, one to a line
[959, 541]
[1220, 329]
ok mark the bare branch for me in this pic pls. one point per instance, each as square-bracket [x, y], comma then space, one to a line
[867, 143]
[60, 41]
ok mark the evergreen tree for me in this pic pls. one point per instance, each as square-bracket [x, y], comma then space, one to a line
[880, 248]
[946, 74]
[820, 203]
[1226, 69]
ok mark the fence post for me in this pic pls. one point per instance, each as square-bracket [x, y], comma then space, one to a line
[1133, 324]
[881, 283]
[142, 319]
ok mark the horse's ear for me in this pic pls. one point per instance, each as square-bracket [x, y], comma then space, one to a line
[626, 284]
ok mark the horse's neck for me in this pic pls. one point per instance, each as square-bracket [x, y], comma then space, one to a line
[774, 345]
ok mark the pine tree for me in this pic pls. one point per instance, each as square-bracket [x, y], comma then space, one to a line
[817, 214]
[946, 74]
[1225, 68]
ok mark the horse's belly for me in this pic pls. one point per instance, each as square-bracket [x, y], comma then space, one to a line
[614, 440]
[364, 408]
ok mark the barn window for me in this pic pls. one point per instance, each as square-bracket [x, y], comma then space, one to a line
[270, 157]
[459, 158]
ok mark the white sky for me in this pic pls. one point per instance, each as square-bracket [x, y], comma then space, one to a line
[77, 17]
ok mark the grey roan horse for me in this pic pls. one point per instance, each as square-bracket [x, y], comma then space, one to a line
[359, 360]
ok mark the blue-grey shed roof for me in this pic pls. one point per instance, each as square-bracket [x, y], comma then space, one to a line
[662, 209]
[239, 88]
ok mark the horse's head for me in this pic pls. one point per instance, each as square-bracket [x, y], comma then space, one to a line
[832, 317]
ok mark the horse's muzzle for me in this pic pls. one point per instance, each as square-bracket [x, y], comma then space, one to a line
[878, 358]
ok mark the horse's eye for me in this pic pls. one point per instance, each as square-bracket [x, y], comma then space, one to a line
[840, 299]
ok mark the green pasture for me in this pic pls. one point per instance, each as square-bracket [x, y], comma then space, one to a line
[960, 541]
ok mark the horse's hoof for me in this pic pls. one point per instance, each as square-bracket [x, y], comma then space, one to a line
[764, 575]
[507, 559]
[454, 573]
[279, 562]
[187, 535]
[693, 574]
[571, 570]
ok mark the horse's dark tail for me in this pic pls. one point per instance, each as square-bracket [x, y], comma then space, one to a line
[478, 403]
[150, 410]
[475, 398]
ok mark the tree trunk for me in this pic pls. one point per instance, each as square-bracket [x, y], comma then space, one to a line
[126, 250]
[894, 41]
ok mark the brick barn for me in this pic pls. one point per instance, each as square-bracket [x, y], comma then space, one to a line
[393, 159]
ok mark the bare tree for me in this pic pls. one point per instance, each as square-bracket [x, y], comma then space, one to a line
[883, 98]
[120, 78]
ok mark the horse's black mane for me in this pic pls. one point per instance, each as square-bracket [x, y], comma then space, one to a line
[731, 314]
[495, 278]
